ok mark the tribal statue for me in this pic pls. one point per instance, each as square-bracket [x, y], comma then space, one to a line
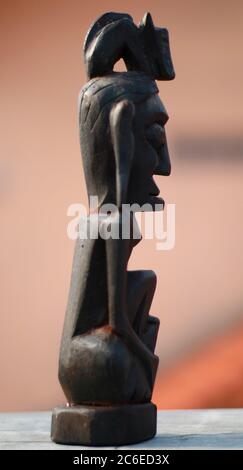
[107, 365]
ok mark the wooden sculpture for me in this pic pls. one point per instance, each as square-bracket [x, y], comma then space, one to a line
[107, 363]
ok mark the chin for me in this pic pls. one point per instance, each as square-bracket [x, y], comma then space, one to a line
[156, 204]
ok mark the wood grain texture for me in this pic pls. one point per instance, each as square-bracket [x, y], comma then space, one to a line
[177, 429]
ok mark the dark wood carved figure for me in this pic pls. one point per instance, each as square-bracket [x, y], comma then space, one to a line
[107, 364]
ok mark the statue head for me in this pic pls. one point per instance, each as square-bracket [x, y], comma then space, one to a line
[122, 119]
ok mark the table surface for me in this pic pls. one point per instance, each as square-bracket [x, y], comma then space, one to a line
[177, 429]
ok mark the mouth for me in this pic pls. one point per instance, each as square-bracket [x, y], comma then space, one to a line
[153, 196]
[153, 190]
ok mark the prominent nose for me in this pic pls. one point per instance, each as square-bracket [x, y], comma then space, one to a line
[164, 166]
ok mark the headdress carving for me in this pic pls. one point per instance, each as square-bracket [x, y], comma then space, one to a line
[143, 48]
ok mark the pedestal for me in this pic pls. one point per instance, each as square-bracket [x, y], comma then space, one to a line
[104, 425]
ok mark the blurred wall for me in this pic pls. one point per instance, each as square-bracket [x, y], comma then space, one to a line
[199, 294]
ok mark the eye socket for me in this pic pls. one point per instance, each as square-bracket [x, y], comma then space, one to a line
[155, 135]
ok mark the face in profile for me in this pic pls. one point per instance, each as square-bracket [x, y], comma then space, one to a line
[151, 156]
[105, 141]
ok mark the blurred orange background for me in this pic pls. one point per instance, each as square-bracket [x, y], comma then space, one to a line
[199, 297]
